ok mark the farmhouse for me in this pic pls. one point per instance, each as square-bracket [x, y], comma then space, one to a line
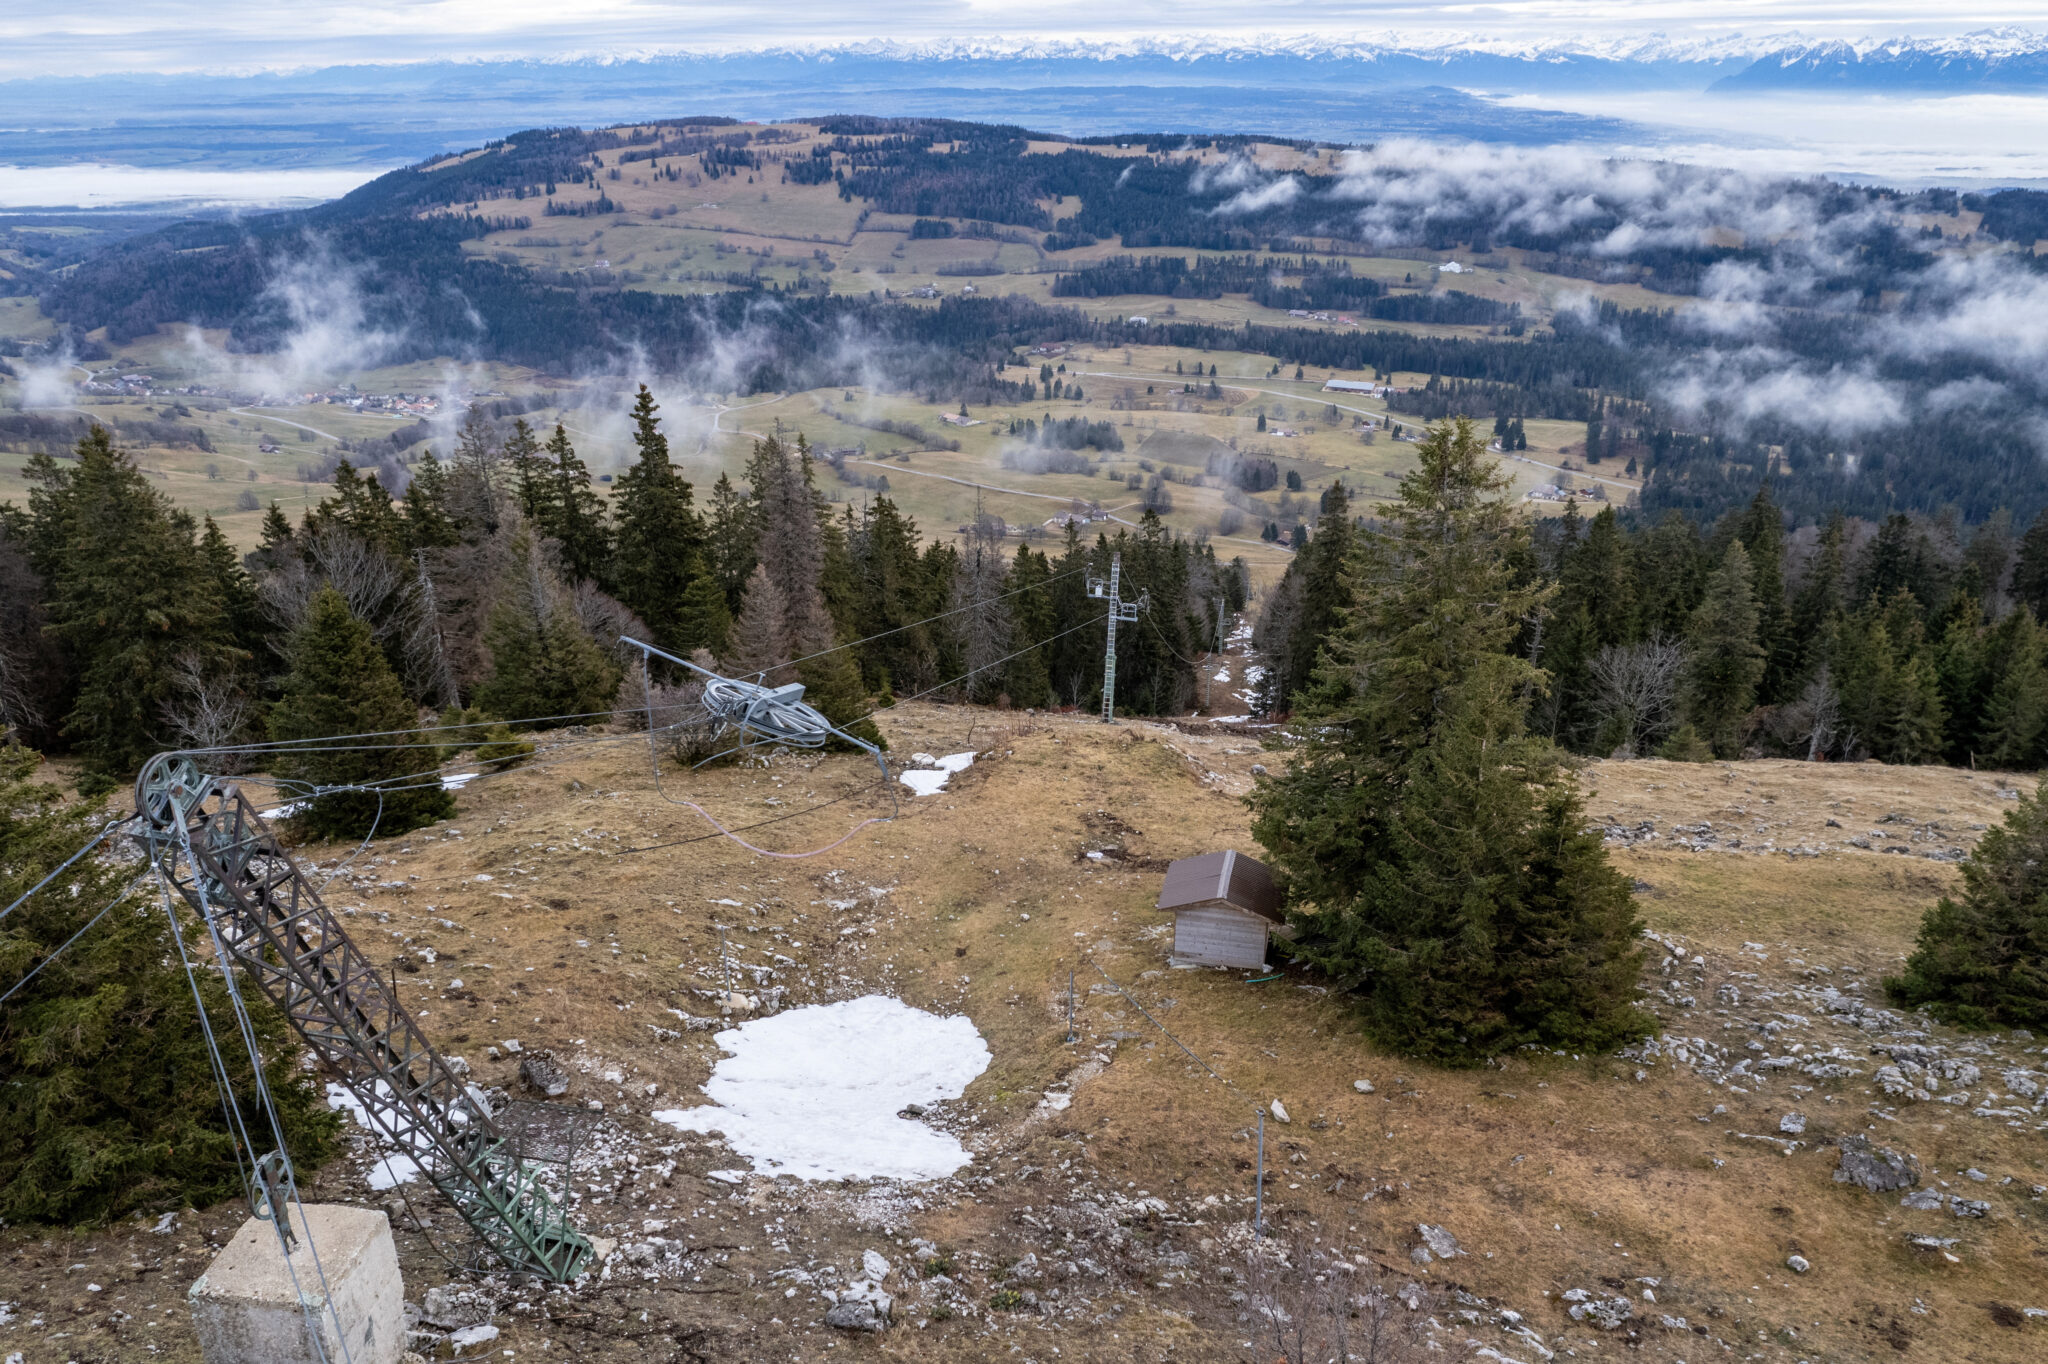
[1224, 908]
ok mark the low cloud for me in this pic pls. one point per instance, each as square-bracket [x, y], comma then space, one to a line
[1279, 194]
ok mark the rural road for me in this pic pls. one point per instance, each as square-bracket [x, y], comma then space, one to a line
[266, 417]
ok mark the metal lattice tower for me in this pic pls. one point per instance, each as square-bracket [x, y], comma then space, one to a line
[1119, 609]
[213, 845]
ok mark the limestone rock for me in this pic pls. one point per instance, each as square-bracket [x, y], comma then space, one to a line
[1440, 1242]
[1362, 1086]
[538, 1069]
[1280, 1112]
[1798, 1264]
[1876, 1168]
[862, 1307]
[454, 1306]
[1793, 1123]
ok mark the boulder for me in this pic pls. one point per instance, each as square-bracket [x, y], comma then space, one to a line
[862, 1307]
[1876, 1168]
[538, 1070]
[1440, 1242]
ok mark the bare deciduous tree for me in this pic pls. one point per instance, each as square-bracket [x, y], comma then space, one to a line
[984, 619]
[1814, 720]
[208, 709]
[1635, 690]
[362, 573]
[428, 673]
[1307, 1303]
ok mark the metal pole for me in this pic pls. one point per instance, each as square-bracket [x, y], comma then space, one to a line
[1259, 1193]
[724, 972]
[1116, 569]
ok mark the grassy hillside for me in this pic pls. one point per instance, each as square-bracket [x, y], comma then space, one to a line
[1119, 1163]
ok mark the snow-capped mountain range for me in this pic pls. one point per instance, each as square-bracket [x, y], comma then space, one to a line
[2000, 58]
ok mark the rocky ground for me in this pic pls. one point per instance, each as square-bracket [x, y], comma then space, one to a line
[1790, 1169]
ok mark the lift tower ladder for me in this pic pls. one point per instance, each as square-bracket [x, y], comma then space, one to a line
[1119, 609]
[213, 845]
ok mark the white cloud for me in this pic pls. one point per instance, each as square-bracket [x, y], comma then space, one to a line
[1278, 194]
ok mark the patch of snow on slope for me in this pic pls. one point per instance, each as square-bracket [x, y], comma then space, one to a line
[936, 772]
[815, 1092]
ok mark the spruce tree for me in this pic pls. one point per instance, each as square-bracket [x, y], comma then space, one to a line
[110, 1106]
[542, 661]
[760, 644]
[1026, 681]
[575, 515]
[2015, 722]
[340, 684]
[2030, 568]
[732, 535]
[704, 616]
[533, 486]
[658, 533]
[1762, 532]
[130, 598]
[1723, 658]
[429, 524]
[1431, 848]
[1982, 958]
[241, 610]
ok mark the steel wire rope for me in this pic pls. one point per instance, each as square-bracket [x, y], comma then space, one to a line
[107, 909]
[247, 1028]
[94, 842]
[1169, 1035]
[654, 761]
[970, 606]
[238, 1131]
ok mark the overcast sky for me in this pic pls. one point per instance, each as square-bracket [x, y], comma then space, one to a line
[45, 37]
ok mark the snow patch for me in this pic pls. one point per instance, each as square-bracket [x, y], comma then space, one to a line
[935, 773]
[815, 1092]
[392, 1171]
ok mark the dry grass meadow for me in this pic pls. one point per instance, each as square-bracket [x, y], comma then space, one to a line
[1640, 1178]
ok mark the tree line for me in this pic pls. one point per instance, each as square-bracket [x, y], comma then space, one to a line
[1909, 640]
[495, 586]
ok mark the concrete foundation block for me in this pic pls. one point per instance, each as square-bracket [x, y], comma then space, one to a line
[246, 1311]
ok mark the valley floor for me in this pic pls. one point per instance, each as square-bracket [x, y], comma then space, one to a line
[1105, 1213]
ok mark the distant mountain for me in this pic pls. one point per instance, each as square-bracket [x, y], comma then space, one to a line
[2005, 59]
[1348, 89]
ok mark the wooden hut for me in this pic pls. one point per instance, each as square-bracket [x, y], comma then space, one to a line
[1224, 908]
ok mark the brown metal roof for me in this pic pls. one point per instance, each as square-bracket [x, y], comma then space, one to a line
[1228, 876]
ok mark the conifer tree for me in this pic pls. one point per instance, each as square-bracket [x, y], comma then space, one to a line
[1432, 849]
[1762, 532]
[542, 661]
[1026, 681]
[789, 541]
[705, 616]
[241, 611]
[574, 514]
[760, 642]
[2015, 721]
[130, 597]
[429, 524]
[533, 487]
[658, 533]
[340, 684]
[732, 535]
[110, 1105]
[1818, 606]
[2030, 568]
[1982, 958]
[1723, 659]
